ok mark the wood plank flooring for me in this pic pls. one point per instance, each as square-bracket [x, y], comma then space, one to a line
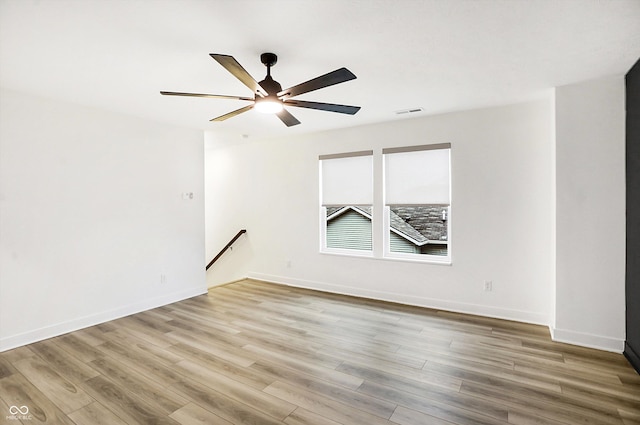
[262, 354]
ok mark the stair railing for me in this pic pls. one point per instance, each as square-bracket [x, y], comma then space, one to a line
[235, 238]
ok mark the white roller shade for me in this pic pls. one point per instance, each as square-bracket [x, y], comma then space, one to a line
[347, 179]
[417, 175]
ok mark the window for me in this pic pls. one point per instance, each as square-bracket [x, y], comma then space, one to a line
[417, 202]
[347, 202]
[410, 218]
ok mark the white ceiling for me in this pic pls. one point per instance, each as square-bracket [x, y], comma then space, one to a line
[441, 55]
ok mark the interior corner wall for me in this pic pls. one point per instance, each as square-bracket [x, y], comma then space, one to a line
[590, 214]
[92, 222]
[501, 214]
[553, 206]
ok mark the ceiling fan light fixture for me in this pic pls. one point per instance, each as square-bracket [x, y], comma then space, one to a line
[269, 98]
[268, 105]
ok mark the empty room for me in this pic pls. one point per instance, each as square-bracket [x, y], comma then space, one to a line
[319, 212]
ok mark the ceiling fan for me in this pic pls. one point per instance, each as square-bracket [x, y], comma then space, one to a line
[268, 94]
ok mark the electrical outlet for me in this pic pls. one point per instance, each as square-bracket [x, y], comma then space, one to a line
[163, 279]
[488, 285]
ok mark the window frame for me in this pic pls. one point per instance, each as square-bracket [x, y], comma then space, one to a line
[386, 225]
[324, 248]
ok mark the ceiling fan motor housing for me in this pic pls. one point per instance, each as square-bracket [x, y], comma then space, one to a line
[271, 86]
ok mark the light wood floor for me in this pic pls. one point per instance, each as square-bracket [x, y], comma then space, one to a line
[257, 353]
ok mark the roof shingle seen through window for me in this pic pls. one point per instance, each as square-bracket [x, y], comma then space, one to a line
[421, 224]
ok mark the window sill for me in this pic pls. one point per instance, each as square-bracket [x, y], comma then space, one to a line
[348, 253]
[402, 259]
[440, 262]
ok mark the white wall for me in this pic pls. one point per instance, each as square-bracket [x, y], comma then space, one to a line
[228, 188]
[502, 163]
[91, 216]
[590, 217]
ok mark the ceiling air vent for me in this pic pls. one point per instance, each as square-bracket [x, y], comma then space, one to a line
[408, 111]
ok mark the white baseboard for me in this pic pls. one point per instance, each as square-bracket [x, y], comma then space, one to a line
[598, 342]
[51, 331]
[439, 304]
[559, 335]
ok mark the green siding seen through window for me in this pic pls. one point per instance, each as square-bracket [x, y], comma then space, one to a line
[400, 244]
[349, 230]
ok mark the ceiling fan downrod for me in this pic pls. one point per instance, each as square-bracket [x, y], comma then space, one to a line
[269, 84]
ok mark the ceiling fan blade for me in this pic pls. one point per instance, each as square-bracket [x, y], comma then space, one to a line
[288, 119]
[331, 107]
[232, 113]
[335, 77]
[214, 96]
[232, 65]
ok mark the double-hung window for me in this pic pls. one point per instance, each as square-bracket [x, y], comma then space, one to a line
[347, 202]
[417, 197]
